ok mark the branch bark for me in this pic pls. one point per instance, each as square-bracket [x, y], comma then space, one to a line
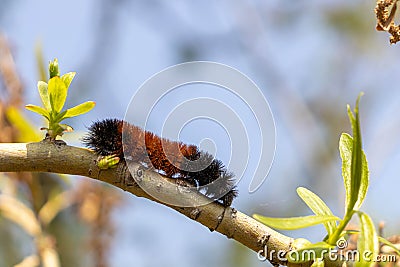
[59, 158]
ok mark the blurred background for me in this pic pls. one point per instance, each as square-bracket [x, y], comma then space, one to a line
[309, 58]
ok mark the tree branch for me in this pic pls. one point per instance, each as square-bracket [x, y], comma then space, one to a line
[59, 158]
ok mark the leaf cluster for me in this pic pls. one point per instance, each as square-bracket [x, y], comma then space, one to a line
[53, 95]
[356, 179]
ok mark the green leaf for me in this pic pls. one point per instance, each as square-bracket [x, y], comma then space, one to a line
[309, 253]
[108, 162]
[354, 170]
[58, 117]
[300, 243]
[318, 263]
[354, 163]
[317, 206]
[351, 232]
[389, 244]
[67, 78]
[362, 191]
[38, 110]
[346, 148]
[27, 132]
[294, 223]
[53, 68]
[58, 93]
[80, 109]
[359, 168]
[44, 94]
[368, 243]
[355, 158]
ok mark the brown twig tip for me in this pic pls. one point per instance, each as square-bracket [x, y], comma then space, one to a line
[385, 19]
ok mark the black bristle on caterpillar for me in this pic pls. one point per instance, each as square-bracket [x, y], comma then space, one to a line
[105, 138]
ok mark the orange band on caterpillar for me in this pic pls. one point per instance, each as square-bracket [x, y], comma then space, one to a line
[173, 159]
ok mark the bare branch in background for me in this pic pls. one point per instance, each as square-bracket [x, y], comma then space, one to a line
[8, 72]
[385, 19]
[13, 90]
